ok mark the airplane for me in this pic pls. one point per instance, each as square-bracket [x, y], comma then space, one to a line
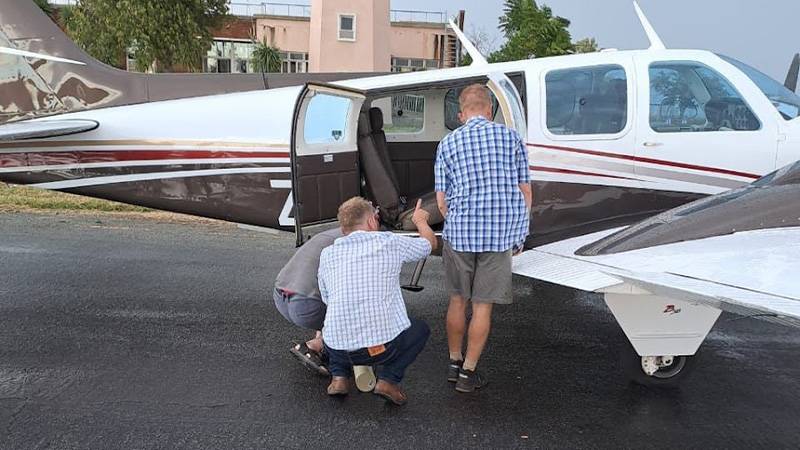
[614, 137]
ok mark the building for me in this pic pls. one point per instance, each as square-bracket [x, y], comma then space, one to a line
[336, 36]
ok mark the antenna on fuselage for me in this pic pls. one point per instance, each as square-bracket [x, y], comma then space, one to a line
[477, 57]
[655, 42]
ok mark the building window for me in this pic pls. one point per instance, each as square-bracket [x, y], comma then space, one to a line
[229, 57]
[413, 64]
[587, 100]
[292, 62]
[347, 27]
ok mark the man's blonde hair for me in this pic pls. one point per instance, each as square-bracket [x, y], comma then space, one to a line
[353, 213]
[475, 97]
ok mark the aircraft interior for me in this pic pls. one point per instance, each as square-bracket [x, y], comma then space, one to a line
[398, 135]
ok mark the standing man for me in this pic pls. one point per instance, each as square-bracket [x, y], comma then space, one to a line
[483, 190]
[298, 299]
[367, 323]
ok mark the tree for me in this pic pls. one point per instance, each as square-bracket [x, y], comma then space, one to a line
[266, 58]
[482, 40]
[531, 31]
[162, 35]
[586, 45]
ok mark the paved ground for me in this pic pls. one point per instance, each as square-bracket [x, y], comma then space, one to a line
[140, 334]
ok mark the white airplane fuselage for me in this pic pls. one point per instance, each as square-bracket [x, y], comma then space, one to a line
[603, 152]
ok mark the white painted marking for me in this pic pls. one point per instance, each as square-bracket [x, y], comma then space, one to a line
[284, 218]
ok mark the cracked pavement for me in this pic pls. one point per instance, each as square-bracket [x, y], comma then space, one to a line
[123, 332]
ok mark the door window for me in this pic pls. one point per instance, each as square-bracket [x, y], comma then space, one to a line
[326, 119]
[587, 100]
[691, 97]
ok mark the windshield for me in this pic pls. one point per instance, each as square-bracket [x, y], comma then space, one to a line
[785, 101]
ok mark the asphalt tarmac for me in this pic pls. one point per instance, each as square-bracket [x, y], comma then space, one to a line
[120, 332]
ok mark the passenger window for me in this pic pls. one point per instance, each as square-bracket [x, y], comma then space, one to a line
[451, 108]
[326, 119]
[691, 97]
[407, 113]
[587, 100]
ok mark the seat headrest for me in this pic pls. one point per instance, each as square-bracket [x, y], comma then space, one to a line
[364, 128]
[376, 119]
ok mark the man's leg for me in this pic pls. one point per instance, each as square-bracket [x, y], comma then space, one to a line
[341, 368]
[456, 326]
[479, 327]
[308, 312]
[408, 345]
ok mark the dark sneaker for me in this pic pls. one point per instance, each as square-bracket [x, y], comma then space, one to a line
[469, 380]
[453, 369]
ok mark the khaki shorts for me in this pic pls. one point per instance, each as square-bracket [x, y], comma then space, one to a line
[480, 277]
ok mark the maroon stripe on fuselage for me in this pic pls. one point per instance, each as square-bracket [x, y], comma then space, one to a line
[647, 160]
[578, 172]
[23, 159]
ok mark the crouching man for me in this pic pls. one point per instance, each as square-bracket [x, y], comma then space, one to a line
[366, 322]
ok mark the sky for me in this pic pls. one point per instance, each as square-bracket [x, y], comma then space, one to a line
[765, 37]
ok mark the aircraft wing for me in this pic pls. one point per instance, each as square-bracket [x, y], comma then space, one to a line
[38, 129]
[751, 273]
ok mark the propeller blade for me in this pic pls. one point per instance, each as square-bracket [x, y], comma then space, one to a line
[26, 54]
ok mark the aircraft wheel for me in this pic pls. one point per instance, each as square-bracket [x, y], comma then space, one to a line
[657, 371]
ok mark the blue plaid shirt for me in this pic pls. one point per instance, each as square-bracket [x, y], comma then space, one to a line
[359, 279]
[479, 167]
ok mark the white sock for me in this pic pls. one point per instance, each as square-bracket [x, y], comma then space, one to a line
[456, 356]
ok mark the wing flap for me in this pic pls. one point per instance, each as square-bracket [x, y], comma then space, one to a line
[41, 129]
[745, 302]
[563, 270]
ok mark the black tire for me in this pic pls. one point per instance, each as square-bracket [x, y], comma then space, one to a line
[668, 377]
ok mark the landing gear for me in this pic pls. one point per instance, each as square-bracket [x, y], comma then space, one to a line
[656, 371]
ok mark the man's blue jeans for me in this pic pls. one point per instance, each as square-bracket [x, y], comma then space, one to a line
[392, 363]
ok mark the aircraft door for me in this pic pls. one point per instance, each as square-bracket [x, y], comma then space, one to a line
[325, 169]
[700, 129]
[510, 102]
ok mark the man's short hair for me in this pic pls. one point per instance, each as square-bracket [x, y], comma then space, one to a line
[475, 97]
[353, 213]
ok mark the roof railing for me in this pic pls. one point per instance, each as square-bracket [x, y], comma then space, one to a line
[255, 7]
[405, 15]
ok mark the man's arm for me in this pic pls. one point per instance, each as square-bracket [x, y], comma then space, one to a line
[441, 203]
[527, 194]
[440, 179]
[420, 219]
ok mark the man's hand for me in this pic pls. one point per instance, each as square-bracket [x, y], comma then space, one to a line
[420, 219]
[420, 215]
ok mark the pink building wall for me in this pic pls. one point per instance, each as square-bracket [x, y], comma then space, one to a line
[290, 34]
[377, 39]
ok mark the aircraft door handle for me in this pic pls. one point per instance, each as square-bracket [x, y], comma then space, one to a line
[653, 144]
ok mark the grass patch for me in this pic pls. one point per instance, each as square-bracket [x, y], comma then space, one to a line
[18, 198]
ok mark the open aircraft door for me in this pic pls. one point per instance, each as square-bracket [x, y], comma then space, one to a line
[510, 103]
[324, 154]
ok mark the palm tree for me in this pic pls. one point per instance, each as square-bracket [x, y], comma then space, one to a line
[266, 58]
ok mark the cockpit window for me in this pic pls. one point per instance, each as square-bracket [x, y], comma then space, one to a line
[691, 97]
[784, 100]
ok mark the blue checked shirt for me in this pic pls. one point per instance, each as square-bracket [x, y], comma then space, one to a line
[359, 279]
[479, 167]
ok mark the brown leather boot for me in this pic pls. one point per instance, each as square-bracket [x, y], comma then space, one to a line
[390, 392]
[339, 386]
